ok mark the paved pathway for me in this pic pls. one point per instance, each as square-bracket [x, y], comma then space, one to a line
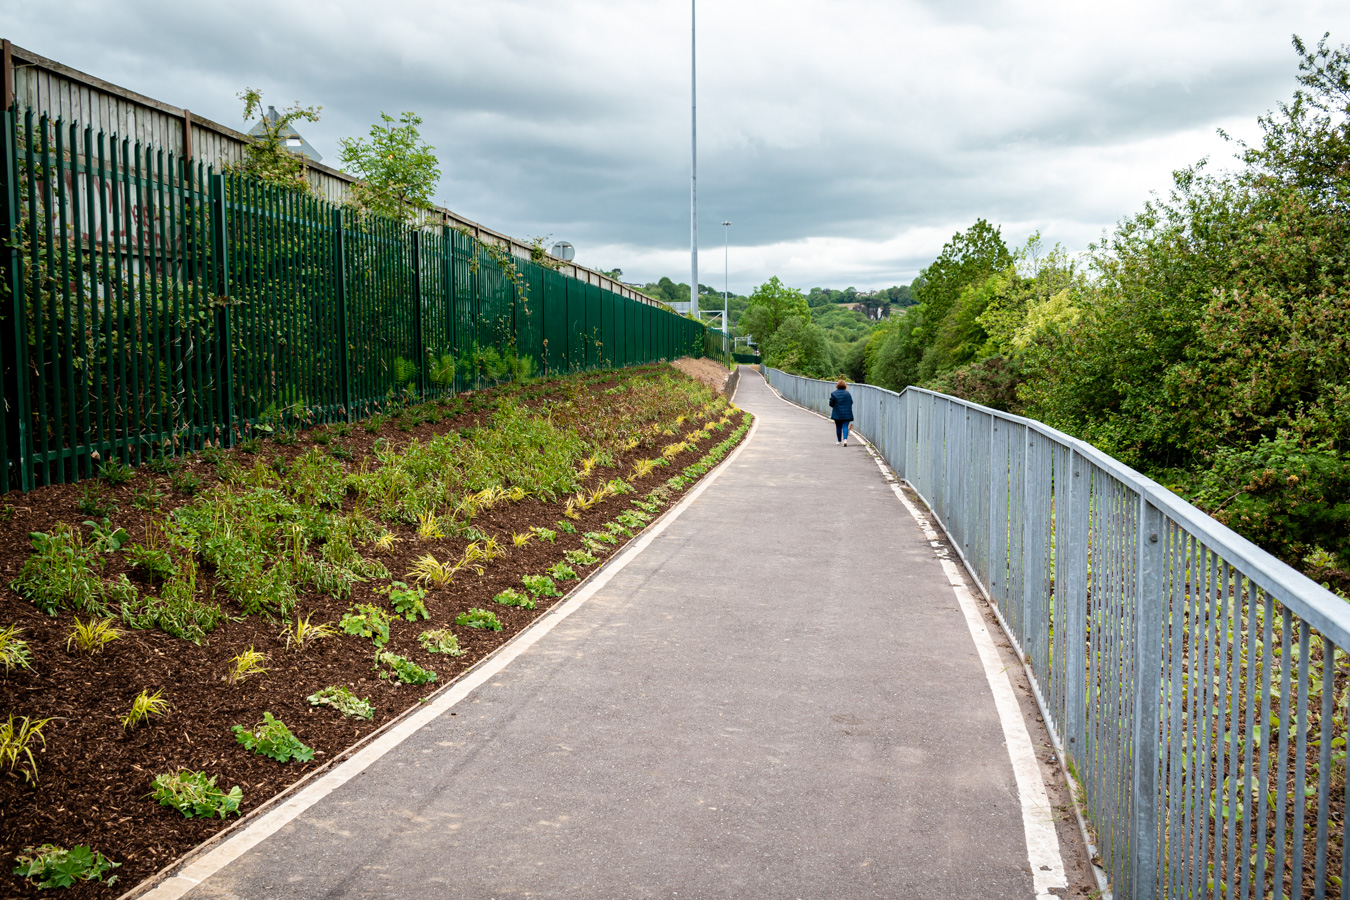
[778, 698]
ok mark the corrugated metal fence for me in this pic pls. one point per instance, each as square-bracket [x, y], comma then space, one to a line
[149, 304]
[1196, 685]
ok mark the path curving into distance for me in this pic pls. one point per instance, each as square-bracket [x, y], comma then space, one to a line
[778, 697]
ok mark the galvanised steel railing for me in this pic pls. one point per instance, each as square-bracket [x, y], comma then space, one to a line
[1196, 686]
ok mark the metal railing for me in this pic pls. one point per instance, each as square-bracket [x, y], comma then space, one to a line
[149, 304]
[1196, 686]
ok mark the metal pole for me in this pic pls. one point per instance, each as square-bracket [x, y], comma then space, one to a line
[693, 160]
[726, 280]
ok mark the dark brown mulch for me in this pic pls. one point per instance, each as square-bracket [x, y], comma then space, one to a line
[94, 777]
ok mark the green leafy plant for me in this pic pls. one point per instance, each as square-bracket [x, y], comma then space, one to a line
[368, 621]
[398, 170]
[479, 618]
[580, 558]
[301, 633]
[50, 866]
[566, 527]
[17, 739]
[92, 636]
[195, 795]
[403, 670]
[104, 538]
[408, 601]
[185, 482]
[271, 738]
[148, 498]
[545, 534]
[441, 640]
[94, 500]
[246, 665]
[14, 650]
[562, 572]
[540, 585]
[267, 156]
[115, 472]
[341, 698]
[143, 707]
[512, 597]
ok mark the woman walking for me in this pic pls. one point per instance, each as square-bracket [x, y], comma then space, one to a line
[841, 411]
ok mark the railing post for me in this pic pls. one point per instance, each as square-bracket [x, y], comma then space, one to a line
[1071, 604]
[344, 332]
[14, 456]
[418, 343]
[224, 340]
[997, 558]
[1148, 653]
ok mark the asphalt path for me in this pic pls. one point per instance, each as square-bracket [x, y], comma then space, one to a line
[778, 697]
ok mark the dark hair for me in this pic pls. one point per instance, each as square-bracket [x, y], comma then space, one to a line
[841, 384]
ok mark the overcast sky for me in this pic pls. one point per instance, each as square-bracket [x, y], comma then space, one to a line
[846, 140]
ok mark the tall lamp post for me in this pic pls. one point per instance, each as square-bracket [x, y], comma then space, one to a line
[726, 280]
[693, 159]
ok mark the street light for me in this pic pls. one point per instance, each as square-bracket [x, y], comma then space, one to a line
[726, 256]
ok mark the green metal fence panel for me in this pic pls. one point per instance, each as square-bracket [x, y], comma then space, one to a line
[554, 314]
[149, 305]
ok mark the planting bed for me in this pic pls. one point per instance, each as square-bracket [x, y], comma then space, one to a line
[308, 524]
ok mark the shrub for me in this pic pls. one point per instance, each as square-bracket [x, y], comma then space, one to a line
[195, 795]
[367, 620]
[62, 572]
[408, 601]
[479, 618]
[341, 698]
[271, 738]
[403, 670]
[441, 640]
[50, 866]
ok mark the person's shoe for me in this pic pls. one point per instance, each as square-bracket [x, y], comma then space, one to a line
[845, 442]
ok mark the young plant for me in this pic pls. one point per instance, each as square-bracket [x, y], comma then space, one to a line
[50, 866]
[300, 633]
[92, 636]
[149, 499]
[540, 585]
[512, 597]
[521, 539]
[643, 467]
[95, 502]
[442, 640]
[185, 483]
[479, 618]
[271, 738]
[429, 527]
[545, 534]
[566, 527]
[403, 670]
[408, 601]
[17, 738]
[246, 665]
[341, 698]
[115, 472]
[143, 707]
[14, 650]
[600, 537]
[195, 795]
[578, 558]
[562, 571]
[428, 570]
[367, 620]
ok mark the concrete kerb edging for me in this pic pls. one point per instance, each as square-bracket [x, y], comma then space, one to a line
[201, 862]
[1075, 792]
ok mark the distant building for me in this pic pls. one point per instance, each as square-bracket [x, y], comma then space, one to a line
[290, 138]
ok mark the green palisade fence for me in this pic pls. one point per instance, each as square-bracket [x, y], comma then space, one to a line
[149, 305]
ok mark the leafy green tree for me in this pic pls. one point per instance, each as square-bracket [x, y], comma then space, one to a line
[771, 305]
[800, 346]
[265, 155]
[398, 170]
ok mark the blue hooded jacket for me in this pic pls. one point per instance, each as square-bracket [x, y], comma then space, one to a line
[841, 406]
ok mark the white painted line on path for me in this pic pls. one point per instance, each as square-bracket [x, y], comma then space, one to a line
[209, 863]
[1047, 865]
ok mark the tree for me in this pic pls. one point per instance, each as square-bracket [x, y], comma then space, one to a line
[266, 156]
[800, 346]
[772, 304]
[398, 170]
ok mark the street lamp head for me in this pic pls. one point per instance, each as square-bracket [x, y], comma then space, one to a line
[726, 223]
